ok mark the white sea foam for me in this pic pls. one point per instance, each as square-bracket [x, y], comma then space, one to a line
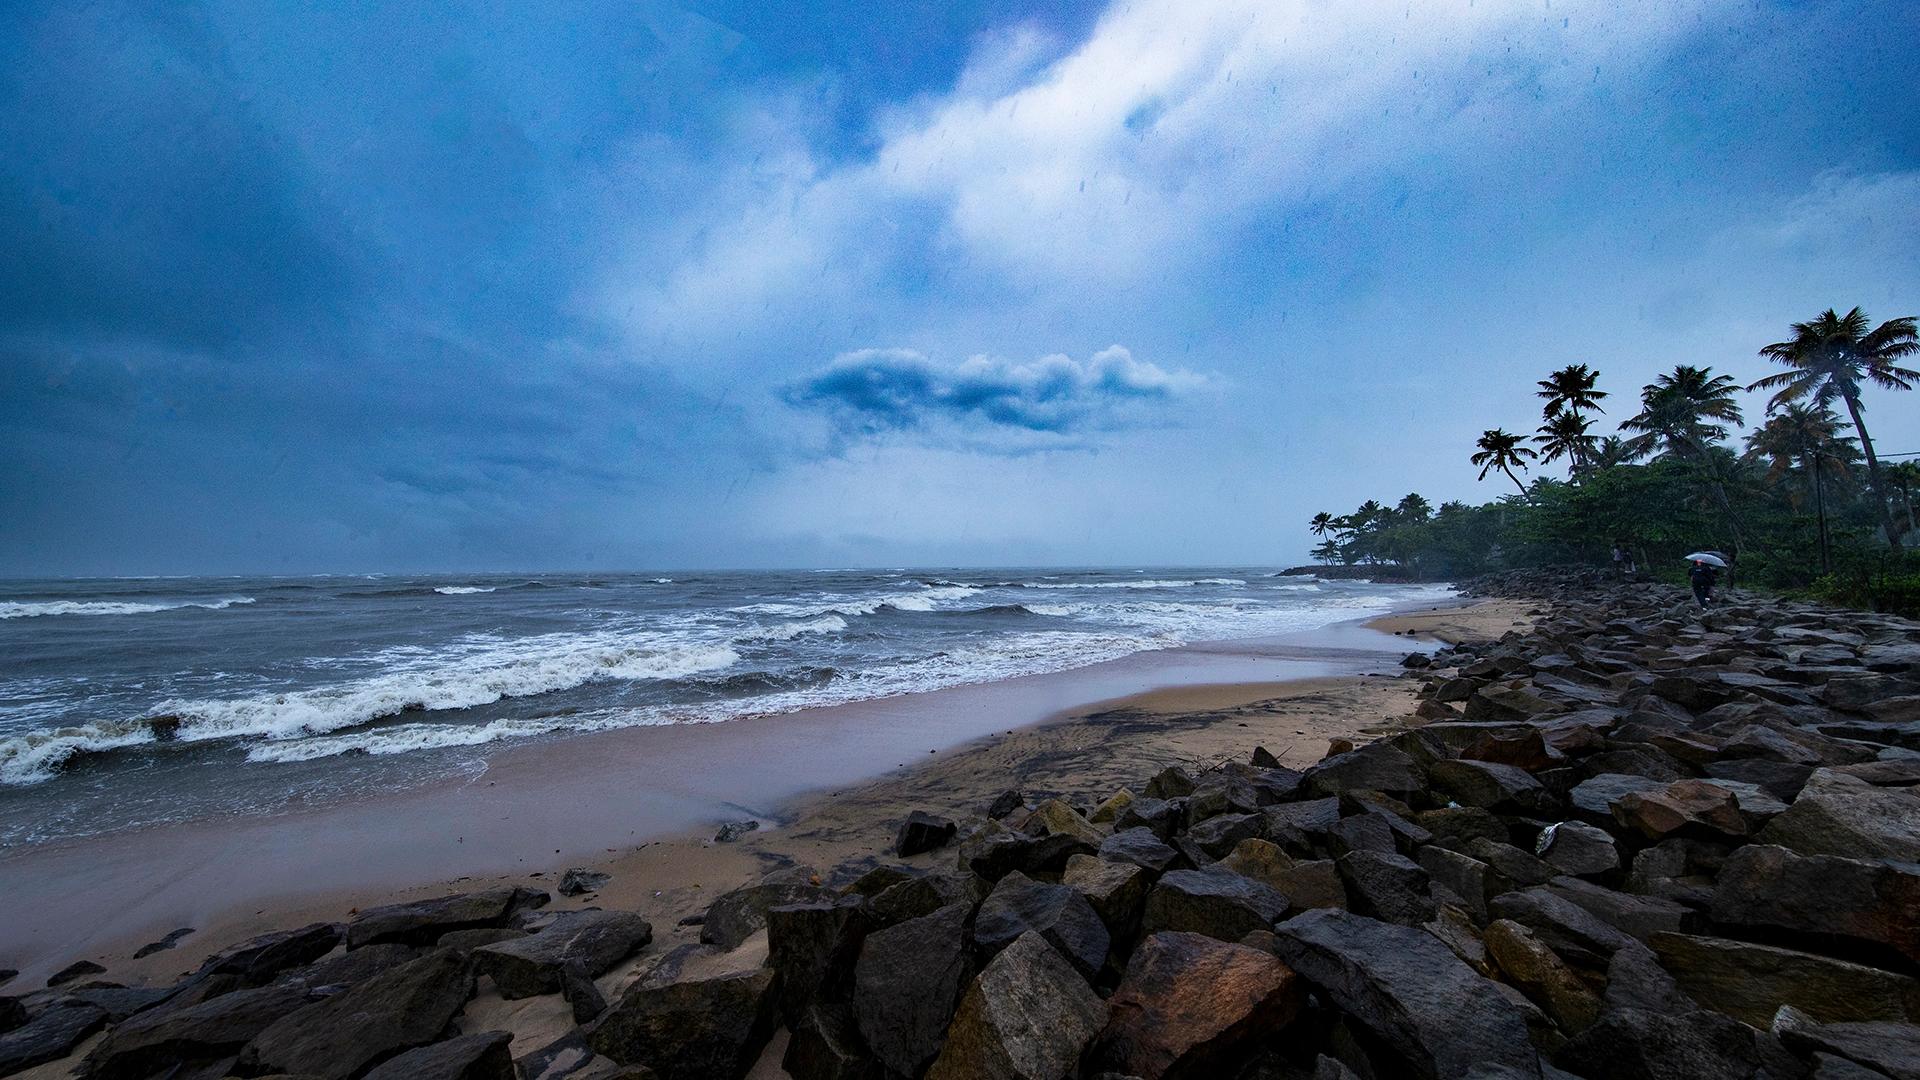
[1143, 583]
[787, 631]
[23, 609]
[474, 671]
[463, 590]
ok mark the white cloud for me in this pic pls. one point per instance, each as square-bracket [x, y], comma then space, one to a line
[1135, 154]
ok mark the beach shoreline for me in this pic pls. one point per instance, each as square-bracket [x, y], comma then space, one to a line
[832, 800]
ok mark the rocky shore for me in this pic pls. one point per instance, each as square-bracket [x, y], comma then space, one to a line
[1628, 840]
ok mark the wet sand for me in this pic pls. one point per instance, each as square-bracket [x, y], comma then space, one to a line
[829, 787]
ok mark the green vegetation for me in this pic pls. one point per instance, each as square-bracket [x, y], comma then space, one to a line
[1801, 503]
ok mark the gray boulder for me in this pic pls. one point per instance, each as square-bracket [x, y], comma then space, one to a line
[531, 965]
[342, 1036]
[690, 1029]
[1027, 1016]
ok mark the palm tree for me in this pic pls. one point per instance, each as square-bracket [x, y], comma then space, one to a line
[1503, 450]
[1414, 507]
[1321, 524]
[1830, 357]
[1810, 437]
[1564, 435]
[1572, 389]
[1682, 415]
[1608, 452]
[1682, 412]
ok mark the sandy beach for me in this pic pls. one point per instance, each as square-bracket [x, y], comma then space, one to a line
[828, 787]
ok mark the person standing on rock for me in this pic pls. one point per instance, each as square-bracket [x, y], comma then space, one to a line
[1704, 577]
[1622, 561]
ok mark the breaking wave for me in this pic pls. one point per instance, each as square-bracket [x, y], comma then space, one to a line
[26, 609]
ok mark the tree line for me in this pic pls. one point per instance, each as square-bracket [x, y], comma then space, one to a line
[1802, 502]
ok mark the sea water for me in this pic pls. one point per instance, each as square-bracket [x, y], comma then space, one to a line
[134, 702]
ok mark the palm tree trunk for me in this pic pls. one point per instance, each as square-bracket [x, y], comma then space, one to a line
[1873, 470]
[1516, 481]
[1820, 512]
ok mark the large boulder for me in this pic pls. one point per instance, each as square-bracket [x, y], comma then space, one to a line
[1838, 814]
[1055, 818]
[1215, 902]
[1490, 785]
[423, 922]
[343, 1035]
[813, 948]
[922, 831]
[1540, 974]
[1141, 847]
[1410, 993]
[739, 914]
[1374, 767]
[1751, 982]
[1699, 808]
[481, 1056]
[907, 983]
[596, 940]
[1117, 891]
[1821, 898]
[1640, 1044]
[1579, 849]
[690, 1029]
[1058, 913]
[158, 1040]
[1027, 1016]
[1387, 886]
[1191, 1006]
[824, 1043]
[1888, 1049]
[259, 959]
[50, 1035]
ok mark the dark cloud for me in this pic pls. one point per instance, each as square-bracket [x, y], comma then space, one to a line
[899, 389]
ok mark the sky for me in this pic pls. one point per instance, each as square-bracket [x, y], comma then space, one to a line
[352, 287]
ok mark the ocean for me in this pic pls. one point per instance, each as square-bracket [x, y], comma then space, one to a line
[135, 702]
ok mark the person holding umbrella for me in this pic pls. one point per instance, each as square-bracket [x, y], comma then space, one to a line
[1704, 575]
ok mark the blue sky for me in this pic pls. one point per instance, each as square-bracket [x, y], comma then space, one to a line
[467, 286]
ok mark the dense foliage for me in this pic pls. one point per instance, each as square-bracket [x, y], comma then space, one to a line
[1802, 502]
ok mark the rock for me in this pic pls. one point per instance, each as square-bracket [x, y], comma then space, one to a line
[1751, 982]
[1489, 785]
[1263, 758]
[1511, 865]
[1155, 815]
[1489, 705]
[422, 922]
[1112, 807]
[1838, 814]
[50, 1035]
[1466, 878]
[1005, 803]
[690, 1029]
[1576, 848]
[923, 832]
[1116, 890]
[1058, 913]
[579, 880]
[1821, 898]
[1891, 1049]
[257, 960]
[341, 1036]
[160, 1039]
[566, 1058]
[1171, 782]
[1682, 808]
[1596, 795]
[1524, 749]
[1463, 824]
[1634, 1044]
[464, 940]
[1574, 934]
[1387, 886]
[1215, 902]
[483, 1056]
[907, 983]
[824, 1044]
[1638, 916]
[79, 969]
[737, 915]
[1055, 818]
[1141, 847]
[1217, 835]
[167, 942]
[531, 965]
[1410, 992]
[1193, 1006]
[731, 831]
[1258, 859]
[813, 948]
[926, 895]
[348, 968]
[1374, 767]
[1301, 822]
[1027, 1016]
[1361, 832]
[581, 993]
[12, 1014]
[1546, 979]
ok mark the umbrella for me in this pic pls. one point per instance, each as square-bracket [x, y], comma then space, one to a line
[1709, 558]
